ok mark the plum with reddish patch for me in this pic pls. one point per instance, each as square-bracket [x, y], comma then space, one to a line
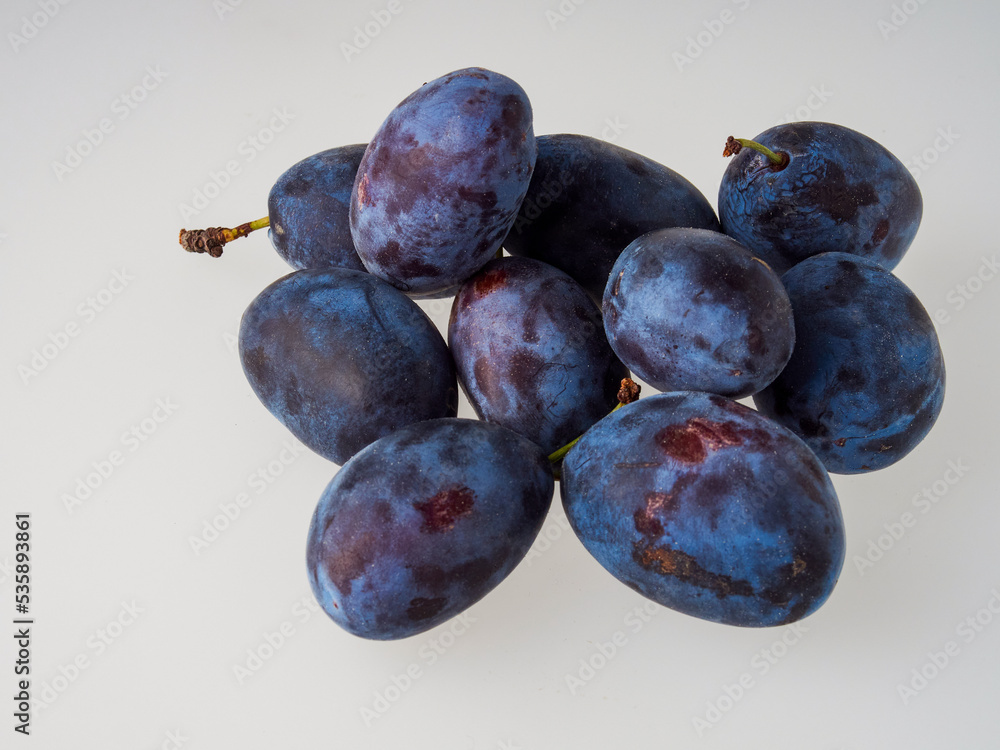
[423, 523]
[531, 353]
[441, 181]
[706, 507]
[840, 191]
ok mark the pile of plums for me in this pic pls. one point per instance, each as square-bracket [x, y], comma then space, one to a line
[615, 264]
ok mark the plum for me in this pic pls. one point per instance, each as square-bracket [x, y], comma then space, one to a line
[342, 358]
[692, 309]
[705, 506]
[531, 353]
[423, 523]
[866, 381]
[832, 189]
[308, 210]
[441, 181]
[588, 199]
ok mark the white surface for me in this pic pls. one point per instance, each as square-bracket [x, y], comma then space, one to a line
[607, 69]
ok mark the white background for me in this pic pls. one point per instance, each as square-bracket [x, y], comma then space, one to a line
[922, 82]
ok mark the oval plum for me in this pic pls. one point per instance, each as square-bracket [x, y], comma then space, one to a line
[706, 507]
[442, 179]
[308, 208]
[866, 381]
[588, 199]
[692, 309]
[841, 191]
[423, 523]
[342, 358]
[531, 353]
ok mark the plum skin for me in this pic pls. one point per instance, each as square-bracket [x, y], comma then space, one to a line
[707, 507]
[531, 353]
[423, 523]
[308, 208]
[692, 309]
[441, 181]
[342, 358]
[588, 199]
[866, 381]
[840, 192]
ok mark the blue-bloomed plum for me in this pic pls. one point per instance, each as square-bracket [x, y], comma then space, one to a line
[423, 523]
[692, 309]
[531, 353]
[308, 208]
[831, 189]
[342, 359]
[442, 179]
[866, 381]
[589, 199]
[707, 507]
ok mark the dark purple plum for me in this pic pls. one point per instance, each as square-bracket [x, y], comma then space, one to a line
[839, 191]
[308, 209]
[588, 199]
[692, 309]
[342, 359]
[866, 381]
[706, 507]
[442, 179]
[423, 523]
[531, 353]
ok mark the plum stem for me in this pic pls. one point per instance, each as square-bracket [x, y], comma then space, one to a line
[213, 239]
[627, 393]
[735, 145]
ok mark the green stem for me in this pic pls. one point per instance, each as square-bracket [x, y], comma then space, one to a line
[735, 145]
[558, 455]
[627, 393]
[213, 239]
